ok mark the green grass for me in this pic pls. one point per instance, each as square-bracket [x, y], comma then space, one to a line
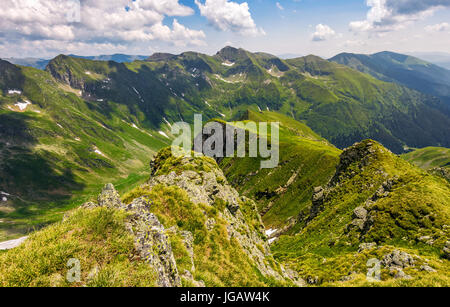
[429, 157]
[417, 206]
[285, 191]
[97, 238]
[219, 260]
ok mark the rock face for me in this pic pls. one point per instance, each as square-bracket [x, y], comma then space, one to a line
[210, 186]
[151, 240]
[152, 243]
[446, 250]
[396, 262]
[207, 187]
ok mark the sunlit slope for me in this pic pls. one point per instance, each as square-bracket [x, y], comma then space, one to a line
[282, 193]
[429, 157]
[374, 197]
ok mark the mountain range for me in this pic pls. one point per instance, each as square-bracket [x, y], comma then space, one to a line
[406, 70]
[340, 195]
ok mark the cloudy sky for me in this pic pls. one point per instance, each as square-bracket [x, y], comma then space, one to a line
[45, 28]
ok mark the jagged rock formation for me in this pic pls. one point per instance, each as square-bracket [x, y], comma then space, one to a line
[204, 186]
[207, 185]
[151, 240]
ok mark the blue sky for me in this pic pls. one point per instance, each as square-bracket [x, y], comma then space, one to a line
[42, 28]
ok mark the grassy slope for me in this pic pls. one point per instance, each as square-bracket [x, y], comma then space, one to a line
[429, 157]
[97, 238]
[287, 189]
[402, 69]
[417, 206]
[49, 162]
[345, 106]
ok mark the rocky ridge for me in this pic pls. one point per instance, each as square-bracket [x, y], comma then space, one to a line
[208, 187]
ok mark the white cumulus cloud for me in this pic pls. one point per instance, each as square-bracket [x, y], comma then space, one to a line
[323, 32]
[391, 15]
[440, 27]
[229, 16]
[95, 22]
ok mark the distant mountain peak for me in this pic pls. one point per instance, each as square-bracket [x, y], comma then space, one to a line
[159, 56]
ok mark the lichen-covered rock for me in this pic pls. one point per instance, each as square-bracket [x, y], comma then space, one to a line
[151, 241]
[210, 223]
[446, 250]
[207, 185]
[360, 213]
[153, 246]
[398, 260]
[366, 246]
[427, 268]
[109, 197]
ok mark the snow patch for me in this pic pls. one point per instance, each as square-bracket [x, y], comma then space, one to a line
[12, 244]
[4, 199]
[60, 126]
[88, 73]
[23, 105]
[14, 92]
[97, 151]
[270, 232]
[167, 122]
[77, 139]
[163, 134]
[207, 103]
[4, 193]
[228, 64]
[134, 126]
[272, 240]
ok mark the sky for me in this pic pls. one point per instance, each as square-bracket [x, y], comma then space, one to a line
[46, 28]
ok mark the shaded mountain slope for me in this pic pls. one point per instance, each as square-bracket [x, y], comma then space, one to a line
[55, 145]
[403, 69]
[339, 103]
[344, 106]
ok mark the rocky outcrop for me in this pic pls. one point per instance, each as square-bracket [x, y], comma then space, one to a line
[360, 153]
[207, 187]
[151, 240]
[396, 261]
[318, 199]
[446, 250]
[441, 172]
